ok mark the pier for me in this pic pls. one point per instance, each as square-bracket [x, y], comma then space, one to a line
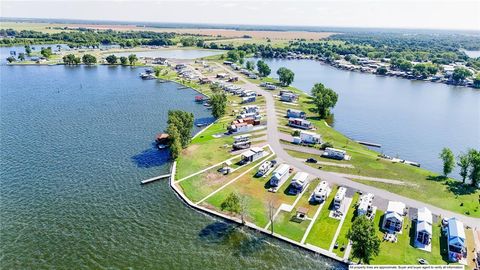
[153, 179]
[370, 144]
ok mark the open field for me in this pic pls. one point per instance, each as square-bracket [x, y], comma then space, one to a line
[217, 33]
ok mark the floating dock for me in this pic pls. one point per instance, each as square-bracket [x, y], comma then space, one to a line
[153, 179]
[370, 144]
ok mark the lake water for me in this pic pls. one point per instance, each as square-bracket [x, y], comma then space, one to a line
[473, 54]
[76, 142]
[173, 53]
[411, 119]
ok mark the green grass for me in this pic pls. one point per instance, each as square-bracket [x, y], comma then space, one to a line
[403, 251]
[324, 228]
[286, 225]
[342, 239]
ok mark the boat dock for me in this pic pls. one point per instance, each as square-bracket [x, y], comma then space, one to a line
[370, 144]
[153, 179]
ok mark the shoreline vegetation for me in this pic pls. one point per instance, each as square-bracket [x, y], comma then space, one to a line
[436, 58]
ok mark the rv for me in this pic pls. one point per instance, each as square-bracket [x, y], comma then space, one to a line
[300, 123]
[279, 174]
[250, 109]
[310, 137]
[288, 97]
[248, 99]
[241, 142]
[334, 153]
[365, 206]
[321, 192]
[263, 169]
[292, 113]
[299, 182]
[240, 127]
[337, 201]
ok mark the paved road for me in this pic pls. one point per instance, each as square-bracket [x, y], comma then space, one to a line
[274, 141]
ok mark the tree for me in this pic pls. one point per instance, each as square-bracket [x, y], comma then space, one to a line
[460, 74]
[382, 70]
[46, 52]
[21, 56]
[263, 68]
[132, 58]
[183, 121]
[250, 65]
[123, 60]
[174, 141]
[231, 204]
[285, 75]
[365, 242]
[71, 59]
[11, 59]
[28, 50]
[111, 59]
[89, 59]
[476, 81]
[233, 55]
[324, 99]
[474, 158]
[448, 161]
[464, 164]
[219, 104]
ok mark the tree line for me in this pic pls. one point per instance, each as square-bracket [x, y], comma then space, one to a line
[469, 164]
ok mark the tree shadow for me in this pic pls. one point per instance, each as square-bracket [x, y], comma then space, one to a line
[412, 233]
[459, 188]
[216, 232]
[204, 120]
[251, 245]
[437, 178]
[151, 157]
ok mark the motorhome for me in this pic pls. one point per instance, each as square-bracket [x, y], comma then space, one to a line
[293, 113]
[334, 153]
[321, 192]
[299, 123]
[310, 137]
[365, 206]
[264, 168]
[299, 182]
[241, 142]
[279, 175]
[338, 200]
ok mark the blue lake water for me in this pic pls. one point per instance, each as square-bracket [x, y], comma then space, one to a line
[411, 119]
[75, 144]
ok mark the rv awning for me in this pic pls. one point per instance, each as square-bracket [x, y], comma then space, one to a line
[393, 215]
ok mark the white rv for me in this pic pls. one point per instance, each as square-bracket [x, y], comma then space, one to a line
[279, 174]
[299, 182]
[263, 169]
[365, 206]
[337, 202]
[321, 192]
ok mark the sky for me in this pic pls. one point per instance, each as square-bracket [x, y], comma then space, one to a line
[425, 14]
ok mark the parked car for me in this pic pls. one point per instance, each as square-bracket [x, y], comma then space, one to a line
[311, 160]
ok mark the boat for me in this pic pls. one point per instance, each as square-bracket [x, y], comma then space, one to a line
[199, 98]
[161, 140]
[201, 124]
[147, 76]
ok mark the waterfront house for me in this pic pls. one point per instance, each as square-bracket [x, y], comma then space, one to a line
[252, 154]
[279, 175]
[321, 192]
[310, 137]
[393, 218]
[457, 249]
[299, 181]
[334, 153]
[337, 201]
[423, 230]
[300, 123]
[292, 113]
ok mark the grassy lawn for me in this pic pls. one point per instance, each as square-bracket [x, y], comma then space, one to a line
[199, 186]
[342, 239]
[325, 227]
[257, 197]
[403, 250]
[286, 225]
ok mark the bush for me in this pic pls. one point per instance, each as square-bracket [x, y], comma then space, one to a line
[325, 145]
[296, 133]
